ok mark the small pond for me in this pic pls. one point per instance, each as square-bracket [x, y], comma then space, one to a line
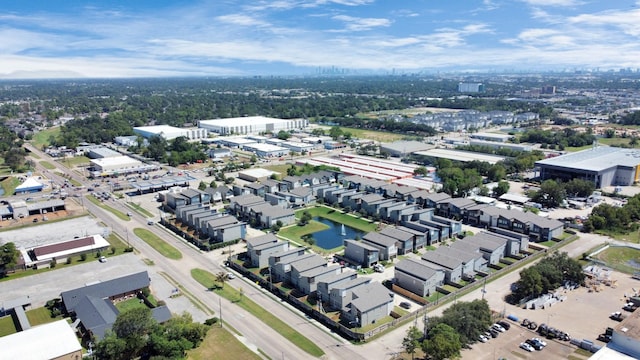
[333, 237]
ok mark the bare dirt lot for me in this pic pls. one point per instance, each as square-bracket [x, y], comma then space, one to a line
[583, 315]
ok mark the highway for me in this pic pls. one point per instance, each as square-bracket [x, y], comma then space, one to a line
[255, 331]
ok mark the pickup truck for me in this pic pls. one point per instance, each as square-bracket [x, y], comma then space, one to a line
[617, 316]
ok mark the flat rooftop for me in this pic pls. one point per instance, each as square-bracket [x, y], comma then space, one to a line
[595, 159]
[243, 121]
[49, 341]
[458, 155]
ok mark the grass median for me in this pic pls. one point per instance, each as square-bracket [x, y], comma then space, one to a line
[209, 281]
[161, 246]
[118, 213]
[339, 217]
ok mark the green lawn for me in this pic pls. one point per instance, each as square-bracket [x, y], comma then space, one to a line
[207, 280]
[221, 344]
[578, 148]
[296, 232]
[74, 161]
[632, 237]
[339, 217]
[161, 246]
[614, 141]
[42, 138]
[373, 135]
[47, 165]
[40, 316]
[9, 185]
[118, 213]
[134, 303]
[619, 258]
[7, 327]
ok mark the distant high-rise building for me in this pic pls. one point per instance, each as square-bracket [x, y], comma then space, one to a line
[470, 87]
[548, 89]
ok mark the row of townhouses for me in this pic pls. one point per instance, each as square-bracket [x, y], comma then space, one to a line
[360, 300]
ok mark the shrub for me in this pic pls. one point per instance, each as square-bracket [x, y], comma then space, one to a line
[113, 250]
[69, 259]
[211, 321]
[83, 257]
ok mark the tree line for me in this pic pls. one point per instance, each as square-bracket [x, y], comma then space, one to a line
[621, 220]
[546, 276]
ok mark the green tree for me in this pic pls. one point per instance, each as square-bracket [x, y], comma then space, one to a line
[551, 193]
[305, 218]
[213, 184]
[530, 283]
[202, 186]
[336, 132]
[411, 342]
[579, 187]
[501, 189]
[283, 135]
[443, 342]
[420, 171]
[111, 347]
[497, 172]
[133, 326]
[9, 256]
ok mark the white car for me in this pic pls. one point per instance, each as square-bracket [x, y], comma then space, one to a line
[102, 259]
[498, 327]
[483, 338]
[540, 341]
[527, 347]
[230, 276]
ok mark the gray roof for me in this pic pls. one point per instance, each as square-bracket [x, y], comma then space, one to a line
[291, 252]
[223, 221]
[261, 240]
[441, 259]
[480, 241]
[161, 313]
[410, 231]
[106, 289]
[246, 199]
[464, 255]
[416, 268]
[595, 159]
[379, 239]
[361, 244]
[301, 191]
[338, 277]
[436, 197]
[254, 186]
[371, 296]
[311, 262]
[406, 146]
[319, 271]
[396, 233]
[369, 198]
[352, 283]
[96, 314]
[190, 192]
[460, 203]
[524, 217]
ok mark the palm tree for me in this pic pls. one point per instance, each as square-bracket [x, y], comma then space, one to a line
[221, 277]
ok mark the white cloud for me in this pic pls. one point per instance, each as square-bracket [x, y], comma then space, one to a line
[556, 3]
[362, 24]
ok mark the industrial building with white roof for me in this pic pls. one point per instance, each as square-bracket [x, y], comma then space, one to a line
[251, 125]
[604, 165]
[171, 132]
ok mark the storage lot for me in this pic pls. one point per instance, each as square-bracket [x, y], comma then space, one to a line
[583, 315]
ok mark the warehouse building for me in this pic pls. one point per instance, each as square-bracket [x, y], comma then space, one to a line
[266, 150]
[403, 148]
[251, 125]
[491, 137]
[500, 145]
[603, 165]
[118, 165]
[464, 156]
[170, 132]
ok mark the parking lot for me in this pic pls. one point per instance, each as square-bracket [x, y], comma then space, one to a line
[583, 315]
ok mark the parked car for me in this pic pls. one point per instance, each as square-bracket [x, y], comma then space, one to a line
[536, 345]
[405, 305]
[230, 276]
[102, 259]
[494, 333]
[498, 328]
[526, 346]
[504, 324]
[540, 341]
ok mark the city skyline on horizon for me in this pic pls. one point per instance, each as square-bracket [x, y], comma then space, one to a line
[81, 39]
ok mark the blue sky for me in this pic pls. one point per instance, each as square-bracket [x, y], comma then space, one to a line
[144, 38]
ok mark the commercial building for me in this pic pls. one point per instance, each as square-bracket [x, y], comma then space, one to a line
[464, 156]
[470, 87]
[251, 125]
[170, 132]
[491, 137]
[52, 341]
[603, 165]
[266, 150]
[501, 145]
[118, 165]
